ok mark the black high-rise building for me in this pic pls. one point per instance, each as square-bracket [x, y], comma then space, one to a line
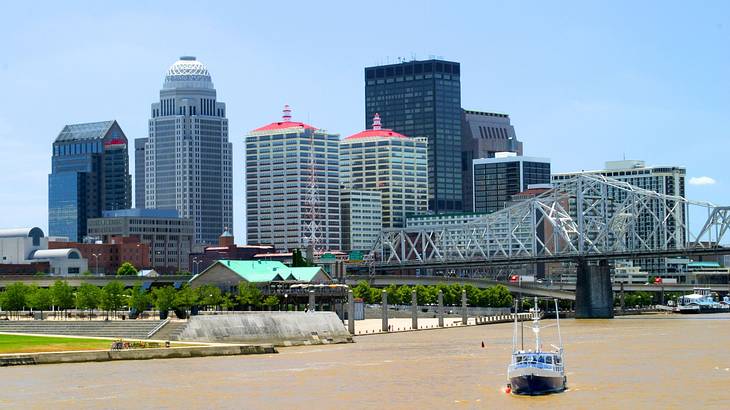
[423, 99]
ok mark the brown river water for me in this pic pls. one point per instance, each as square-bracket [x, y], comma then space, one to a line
[652, 361]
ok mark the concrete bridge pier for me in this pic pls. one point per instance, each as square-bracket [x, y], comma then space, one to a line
[350, 312]
[414, 310]
[464, 316]
[441, 308]
[384, 328]
[593, 291]
[312, 303]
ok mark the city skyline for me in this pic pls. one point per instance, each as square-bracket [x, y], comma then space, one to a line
[651, 98]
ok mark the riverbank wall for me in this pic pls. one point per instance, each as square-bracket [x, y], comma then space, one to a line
[134, 354]
[277, 328]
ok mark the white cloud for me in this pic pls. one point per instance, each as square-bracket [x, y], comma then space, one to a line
[701, 181]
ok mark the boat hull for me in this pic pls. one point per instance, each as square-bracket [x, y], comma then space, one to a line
[532, 384]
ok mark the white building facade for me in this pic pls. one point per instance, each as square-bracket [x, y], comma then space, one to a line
[292, 186]
[362, 219]
[188, 159]
[23, 246]
[393, 164]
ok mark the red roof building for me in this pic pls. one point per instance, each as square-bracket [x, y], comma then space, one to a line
[285, 123]
[383, 160]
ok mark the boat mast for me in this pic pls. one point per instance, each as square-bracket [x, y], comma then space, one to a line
[557, 320]
[514, 329]
[536, 324]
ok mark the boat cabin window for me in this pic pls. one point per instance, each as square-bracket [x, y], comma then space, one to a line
[549, 360]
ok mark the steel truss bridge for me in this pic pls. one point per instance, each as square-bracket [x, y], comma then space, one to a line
[588, 217]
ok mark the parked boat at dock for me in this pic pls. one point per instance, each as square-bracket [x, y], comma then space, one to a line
[700, 301]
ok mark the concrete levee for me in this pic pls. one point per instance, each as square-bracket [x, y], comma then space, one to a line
[140, 354]
[277, 328]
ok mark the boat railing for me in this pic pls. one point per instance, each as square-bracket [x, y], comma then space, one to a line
[536, 365]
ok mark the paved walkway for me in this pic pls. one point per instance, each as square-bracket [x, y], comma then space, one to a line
[369, 326]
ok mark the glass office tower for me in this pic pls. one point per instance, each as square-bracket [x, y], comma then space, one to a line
[89, 174]
[422, 99]
[188, 159]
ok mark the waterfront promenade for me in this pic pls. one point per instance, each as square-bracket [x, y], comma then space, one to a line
[652, 361]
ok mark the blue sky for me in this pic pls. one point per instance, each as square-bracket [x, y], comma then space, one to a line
[584, 82]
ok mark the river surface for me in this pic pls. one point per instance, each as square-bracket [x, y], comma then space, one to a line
[652, 361]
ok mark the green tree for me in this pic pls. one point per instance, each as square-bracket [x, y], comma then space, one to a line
[446, 290]
[210, 295]
[362, 291]
[453, 294]
[404, 294]
[164, 299]
[376, 296]
[62, 295]
[228, 302]
[126, 269]
[14, 297]
[503, 297]
[271, 301]
[423, 296]
[40, 298]
[112, 297]
[298, 260]
[88, 297]
[248, 294]
[186, 298]
[393, 295]
[472, 295]
[139, 299]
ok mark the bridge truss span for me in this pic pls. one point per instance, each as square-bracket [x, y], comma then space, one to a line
[586, 216]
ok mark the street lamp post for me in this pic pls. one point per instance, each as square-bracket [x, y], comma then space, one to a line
[157, 253]
[96, 255]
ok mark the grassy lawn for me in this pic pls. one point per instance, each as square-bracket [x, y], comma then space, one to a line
[34, 344]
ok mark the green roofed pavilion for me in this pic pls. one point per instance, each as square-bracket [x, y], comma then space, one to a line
[226, 274]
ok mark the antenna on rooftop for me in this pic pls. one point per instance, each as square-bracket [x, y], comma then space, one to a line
[311, 237]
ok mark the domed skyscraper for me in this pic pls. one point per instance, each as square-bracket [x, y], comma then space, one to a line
[186, 162]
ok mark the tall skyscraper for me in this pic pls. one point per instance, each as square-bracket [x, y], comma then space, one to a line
[394, 164]
[139, 170]
[89, 174]
[292, 186]
[422, 99]
[188, 159]
[483, 134]
[497, 179]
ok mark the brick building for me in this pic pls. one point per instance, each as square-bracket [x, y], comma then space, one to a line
[226, 250]
[105, 258]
